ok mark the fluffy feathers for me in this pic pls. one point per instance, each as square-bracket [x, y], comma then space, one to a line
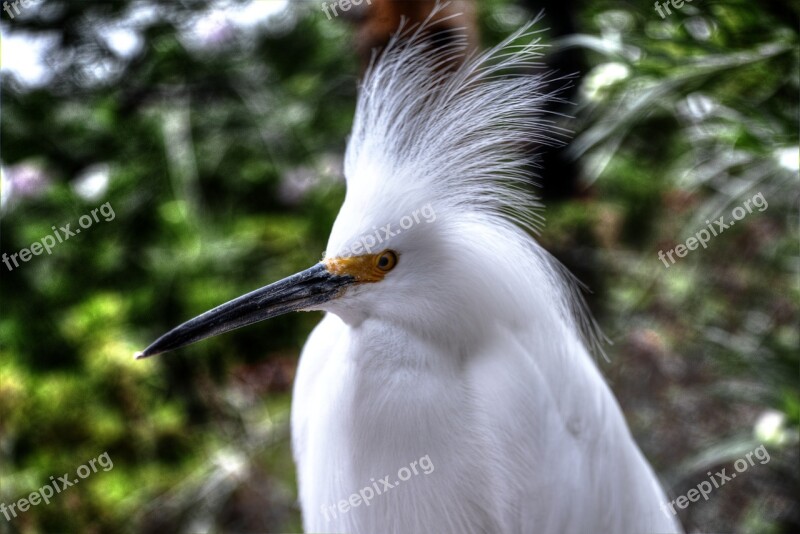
[469, 351]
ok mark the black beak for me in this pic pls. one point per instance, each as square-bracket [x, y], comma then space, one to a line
[300, 291]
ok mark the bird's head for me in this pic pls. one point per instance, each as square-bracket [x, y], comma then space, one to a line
[437, 207]
[373, 269]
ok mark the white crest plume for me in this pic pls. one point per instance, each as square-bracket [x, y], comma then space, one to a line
[435, 125]
[463, 134]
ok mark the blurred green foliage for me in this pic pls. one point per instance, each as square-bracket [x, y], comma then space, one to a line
[218, 144]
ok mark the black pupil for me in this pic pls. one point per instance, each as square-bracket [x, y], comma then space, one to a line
[383, 261]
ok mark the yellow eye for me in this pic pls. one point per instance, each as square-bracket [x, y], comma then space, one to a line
[386, 260]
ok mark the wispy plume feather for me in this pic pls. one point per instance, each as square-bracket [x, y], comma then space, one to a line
[436, 123]
[463, 133]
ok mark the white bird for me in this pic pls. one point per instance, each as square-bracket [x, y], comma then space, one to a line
[448, 388]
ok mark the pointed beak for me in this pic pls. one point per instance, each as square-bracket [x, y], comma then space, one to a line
[302, 291]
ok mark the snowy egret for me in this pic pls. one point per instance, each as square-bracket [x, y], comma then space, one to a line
[448, 388]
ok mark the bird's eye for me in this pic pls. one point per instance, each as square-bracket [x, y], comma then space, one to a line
[386, 261]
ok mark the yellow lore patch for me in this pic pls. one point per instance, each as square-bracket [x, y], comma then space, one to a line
[365, 268]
